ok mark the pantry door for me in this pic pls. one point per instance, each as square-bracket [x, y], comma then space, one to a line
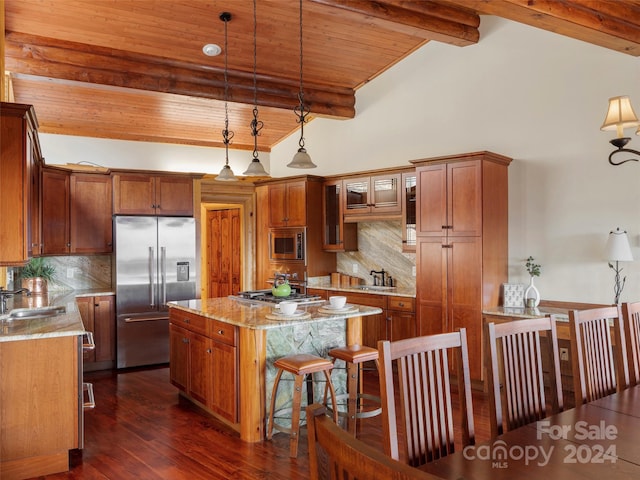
[224, 252]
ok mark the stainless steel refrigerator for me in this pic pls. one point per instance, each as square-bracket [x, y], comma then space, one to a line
[155, 262]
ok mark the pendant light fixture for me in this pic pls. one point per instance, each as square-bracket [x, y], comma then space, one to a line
[301, 159]
[255, 168]
[226, 174]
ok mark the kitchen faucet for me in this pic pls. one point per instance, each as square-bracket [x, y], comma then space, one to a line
[376, 279]
[4, 294]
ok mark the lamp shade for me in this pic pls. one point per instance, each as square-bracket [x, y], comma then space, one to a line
[301, 160]
[255, 169]
[226, 175]
[618, 249]
[620, 115]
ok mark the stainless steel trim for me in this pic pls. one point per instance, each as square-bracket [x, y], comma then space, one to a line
[152, 277]
[90, 343]
[144, 319]
[163, 273]
[92, 400]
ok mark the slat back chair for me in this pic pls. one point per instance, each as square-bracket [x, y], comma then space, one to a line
[516, 359]
[631, 323]
[425, 400]
[334, 454]
[596, 372]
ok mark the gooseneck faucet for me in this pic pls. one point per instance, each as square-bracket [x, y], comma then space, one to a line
[376, 279]
[4, 294]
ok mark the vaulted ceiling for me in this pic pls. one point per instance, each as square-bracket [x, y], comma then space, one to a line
[134, 69]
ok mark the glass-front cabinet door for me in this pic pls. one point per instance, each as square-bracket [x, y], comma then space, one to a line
[337, 236]
[409, 212]
[372, 194]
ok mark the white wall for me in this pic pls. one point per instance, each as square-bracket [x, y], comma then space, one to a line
[534, 96]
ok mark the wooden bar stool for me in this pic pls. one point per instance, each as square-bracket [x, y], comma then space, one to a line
[354, 357]
[299, 365]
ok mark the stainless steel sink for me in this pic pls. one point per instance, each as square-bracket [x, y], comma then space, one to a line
[375, 287]
[40, 312]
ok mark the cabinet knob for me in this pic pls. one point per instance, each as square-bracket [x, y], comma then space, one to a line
[186, 320]
[185, 340]
[220, 332]
[208, 350]
[447, 246]
[401, 304]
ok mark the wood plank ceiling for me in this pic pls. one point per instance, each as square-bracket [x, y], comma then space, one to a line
[134, 69]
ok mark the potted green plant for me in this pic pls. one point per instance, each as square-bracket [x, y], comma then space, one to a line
[36, 274]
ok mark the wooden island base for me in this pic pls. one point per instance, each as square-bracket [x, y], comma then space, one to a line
[238, 375]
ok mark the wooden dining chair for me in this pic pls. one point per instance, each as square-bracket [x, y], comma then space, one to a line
[334, 454]
[631, 328]
[425, 400]
[518, 355]
[597, 372]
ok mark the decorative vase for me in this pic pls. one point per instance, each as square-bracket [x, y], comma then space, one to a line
[531, 295]
[36, 285]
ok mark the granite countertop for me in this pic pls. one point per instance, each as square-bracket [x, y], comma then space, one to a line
[63, 324]
[369, 289]
[247, 315]
[561, 314]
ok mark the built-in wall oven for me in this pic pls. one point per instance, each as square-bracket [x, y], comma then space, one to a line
[287, 244]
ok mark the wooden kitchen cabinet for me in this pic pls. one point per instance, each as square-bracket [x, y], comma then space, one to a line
[55, 212]
[376, 194]
[90, 213]
[336, 235]
[41, 397]
[461, 254]
[98, 316]
[76, 212]
[288, 204]
[203, 362]
[20, 163]
[147, 194]
[401, 318]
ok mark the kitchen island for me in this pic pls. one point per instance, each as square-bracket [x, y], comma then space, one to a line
[223, 349]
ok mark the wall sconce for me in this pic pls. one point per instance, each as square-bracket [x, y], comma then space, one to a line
[618, 250]
[620, 116]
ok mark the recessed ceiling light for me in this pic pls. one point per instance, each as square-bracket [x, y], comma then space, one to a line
[211, 49]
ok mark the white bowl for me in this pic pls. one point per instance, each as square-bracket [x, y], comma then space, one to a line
[337, 301]
[288, 308]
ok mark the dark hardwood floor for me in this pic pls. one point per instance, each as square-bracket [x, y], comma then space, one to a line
[140, 429]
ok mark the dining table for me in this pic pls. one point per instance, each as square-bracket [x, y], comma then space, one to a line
[598, 440]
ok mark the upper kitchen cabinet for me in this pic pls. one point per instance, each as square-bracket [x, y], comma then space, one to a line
[76, 212]
[372, 195]
[336, 235]
[20, 163]
[409, 196]
[150, 194]
[450, 199]
[287, 204]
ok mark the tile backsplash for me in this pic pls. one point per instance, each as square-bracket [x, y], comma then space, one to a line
[379, 246]
[77, 273]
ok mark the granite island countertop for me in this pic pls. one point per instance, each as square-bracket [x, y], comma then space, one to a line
[64, 324]
[255, 316]
[325, 284]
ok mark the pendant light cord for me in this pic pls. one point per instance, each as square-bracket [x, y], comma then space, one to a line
[226, 134]
[301, 111]
[256, 125]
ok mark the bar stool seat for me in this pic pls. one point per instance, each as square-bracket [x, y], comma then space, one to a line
[299, 365]
[354, 356]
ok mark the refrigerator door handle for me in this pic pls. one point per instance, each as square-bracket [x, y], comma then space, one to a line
[152, 276]
[163, 273]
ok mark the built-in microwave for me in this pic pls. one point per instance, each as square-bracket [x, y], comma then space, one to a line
[286, 244]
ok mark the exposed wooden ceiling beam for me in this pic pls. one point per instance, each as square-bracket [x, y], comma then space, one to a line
[428, 20]
[52, 58]
[610, 24]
